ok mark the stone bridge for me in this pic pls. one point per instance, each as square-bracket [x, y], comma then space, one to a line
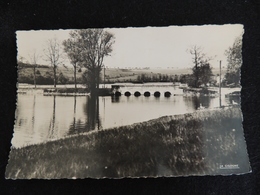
[148, 89]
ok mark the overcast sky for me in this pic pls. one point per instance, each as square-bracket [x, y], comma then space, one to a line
[148, 46]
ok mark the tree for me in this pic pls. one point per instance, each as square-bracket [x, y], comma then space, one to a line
[201, 69]
[33, 61]
[205, 73]
[94, 45]
[234, 59]
[53, 53]
[73, 50]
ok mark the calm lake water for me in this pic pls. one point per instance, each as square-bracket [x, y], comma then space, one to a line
[42, 118]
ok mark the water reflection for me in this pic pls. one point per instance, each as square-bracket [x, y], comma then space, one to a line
[197, 102]
[33, 114]
[234, 100]
[42, 118]
[115, 99]
[93, 113]
[52, 121]
[74, 114]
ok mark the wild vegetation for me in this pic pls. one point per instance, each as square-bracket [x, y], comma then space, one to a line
[197, 143]
[234, 58]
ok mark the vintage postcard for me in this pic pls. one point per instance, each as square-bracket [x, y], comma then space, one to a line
[129, 102]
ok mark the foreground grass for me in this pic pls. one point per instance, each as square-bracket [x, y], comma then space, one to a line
[196, 144]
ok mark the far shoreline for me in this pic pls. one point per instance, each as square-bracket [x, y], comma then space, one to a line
[106, 90]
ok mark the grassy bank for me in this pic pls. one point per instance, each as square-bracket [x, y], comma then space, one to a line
[197, 143]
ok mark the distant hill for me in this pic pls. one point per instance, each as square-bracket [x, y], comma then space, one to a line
[111, 74]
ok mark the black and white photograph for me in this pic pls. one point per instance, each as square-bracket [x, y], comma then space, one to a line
[128, 103]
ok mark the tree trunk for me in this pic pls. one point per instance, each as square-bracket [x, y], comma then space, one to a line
[54, 76]
[75, 78]
[197, 76]
[97, 75]
[92, 82]
[34, 76]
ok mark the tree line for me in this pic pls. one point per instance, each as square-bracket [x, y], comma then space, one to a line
[182, 78]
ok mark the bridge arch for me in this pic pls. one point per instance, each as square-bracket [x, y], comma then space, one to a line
[157, 94]
[167, 94]
[127, 93]
[137, 93]
[117, 93]
[147, 94]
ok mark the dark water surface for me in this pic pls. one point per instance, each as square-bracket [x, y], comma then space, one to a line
[42, 118]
